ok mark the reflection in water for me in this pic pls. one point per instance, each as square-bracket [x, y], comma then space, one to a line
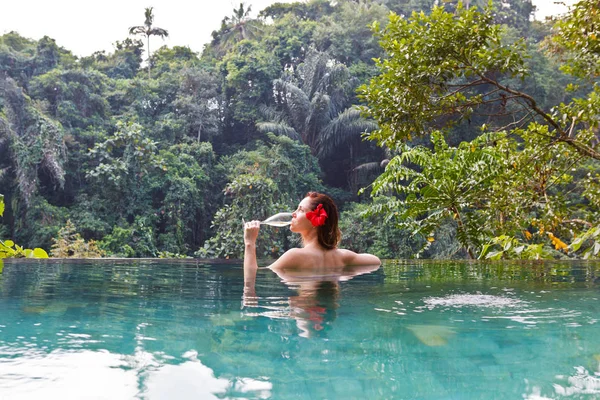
[192, 380]
[65, 374]
[314, 305]
[314, 308]
[100, 374]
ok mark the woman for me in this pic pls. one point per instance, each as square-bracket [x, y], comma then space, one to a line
[315, 269]
[316, 220]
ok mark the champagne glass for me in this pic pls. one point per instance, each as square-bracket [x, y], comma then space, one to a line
[278, 220]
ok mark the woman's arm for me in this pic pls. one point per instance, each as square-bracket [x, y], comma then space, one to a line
[250, 265]
[354, 259]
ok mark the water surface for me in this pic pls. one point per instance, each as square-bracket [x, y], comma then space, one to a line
[122, 329]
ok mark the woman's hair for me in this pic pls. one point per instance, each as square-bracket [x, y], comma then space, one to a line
[329, 234]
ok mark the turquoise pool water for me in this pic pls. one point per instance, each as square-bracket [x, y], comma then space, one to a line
[182, 330]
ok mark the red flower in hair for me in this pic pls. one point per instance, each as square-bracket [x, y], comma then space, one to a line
[318, 216]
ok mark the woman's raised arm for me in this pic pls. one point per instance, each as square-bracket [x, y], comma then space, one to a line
[250, 264]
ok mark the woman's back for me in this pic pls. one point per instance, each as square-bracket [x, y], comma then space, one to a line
[314, 256]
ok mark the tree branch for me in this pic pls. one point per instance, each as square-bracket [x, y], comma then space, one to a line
[529, 99]
[562, 135]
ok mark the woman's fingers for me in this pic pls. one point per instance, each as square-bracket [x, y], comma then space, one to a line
[251, 231]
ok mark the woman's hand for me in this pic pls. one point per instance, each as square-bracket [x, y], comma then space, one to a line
[250, 266]
[251, 232]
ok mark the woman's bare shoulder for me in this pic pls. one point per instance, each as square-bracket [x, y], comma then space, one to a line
[292, 258]
[351, 258]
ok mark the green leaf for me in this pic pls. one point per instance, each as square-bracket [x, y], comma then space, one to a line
[495, 255]
[576, 244]
[39, 253]
[519, 250]
[484, 249]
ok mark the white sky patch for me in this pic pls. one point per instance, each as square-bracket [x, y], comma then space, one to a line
[85, 27]
[546, 8]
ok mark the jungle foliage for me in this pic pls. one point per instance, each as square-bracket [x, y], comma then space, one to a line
[526, 185]
[487, 140]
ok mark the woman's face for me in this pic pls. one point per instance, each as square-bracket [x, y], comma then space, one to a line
[299, 221]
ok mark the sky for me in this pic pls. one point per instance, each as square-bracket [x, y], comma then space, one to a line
[84, 27]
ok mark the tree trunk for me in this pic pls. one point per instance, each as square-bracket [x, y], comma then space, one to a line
[462, 228]
[149, 73]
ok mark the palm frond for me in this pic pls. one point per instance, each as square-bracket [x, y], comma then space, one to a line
[361, 174]
[336, 74]
[338, 101]
[312, 71]
[318, 117]
[271, 114]
[367, 168]
[278, 128]
[296, 103]
[348, 124]
[158, 32]
[136, 30]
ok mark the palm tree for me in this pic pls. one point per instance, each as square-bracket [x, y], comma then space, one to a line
[148, 30]
[312, 109]
[237, 27]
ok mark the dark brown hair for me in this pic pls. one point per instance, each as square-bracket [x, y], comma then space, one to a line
[329, 234]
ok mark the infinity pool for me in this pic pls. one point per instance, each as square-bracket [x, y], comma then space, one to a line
[122, 329]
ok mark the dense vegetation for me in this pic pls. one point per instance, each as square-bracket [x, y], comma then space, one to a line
[488, 140]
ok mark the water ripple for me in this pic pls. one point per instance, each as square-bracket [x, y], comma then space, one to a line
[473, 300]
[582, 382]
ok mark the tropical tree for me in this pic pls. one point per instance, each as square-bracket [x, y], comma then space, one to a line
[440, 185]
[124, 163]
[312, 107]
[199, 103]
[247, 74]
[75, 97]
[148, 30]
[375, 234]
[310, 10]
[184, 196]
[542, 164]
[447, 66]
[345, 35]
[576, 40]
[35, 141]
[235, 28]
[123, 63]
[515, 13]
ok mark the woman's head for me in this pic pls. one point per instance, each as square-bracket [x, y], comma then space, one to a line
[328, 233]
